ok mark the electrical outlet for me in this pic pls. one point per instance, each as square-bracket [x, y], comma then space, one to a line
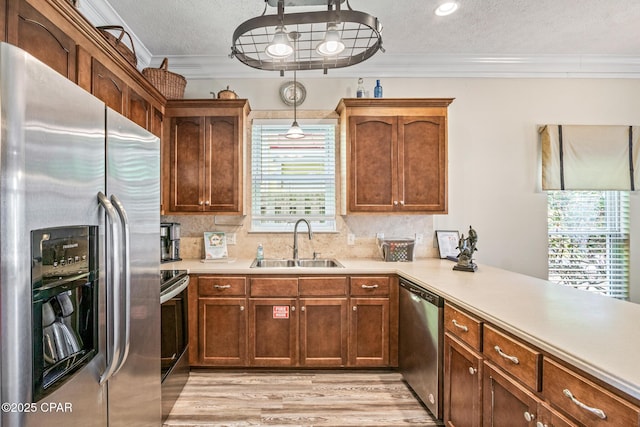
[231, 238]
[351, 239]
[419, 238]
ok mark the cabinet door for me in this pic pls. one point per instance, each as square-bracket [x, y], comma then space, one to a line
[369, 332]
[323, 332]
[222, 165]
[273, 332]
[106, 86]
[186, 179]
[547, 417]
[42, 39]
[506, 403]
[462, 385]
[139, 110]
[222, 331]
[373, 168]
[422, 156]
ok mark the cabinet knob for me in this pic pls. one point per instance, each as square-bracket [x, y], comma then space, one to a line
[541, 424]
[302, 308]
[472, 370]
[355, 308]
[200, 202]
[207, 203]
[402, 202]
[395, 203]
[242, 308]
[529, 416]
[293, 308]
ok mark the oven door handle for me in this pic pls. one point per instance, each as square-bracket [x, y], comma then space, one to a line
[125, 254]
[113, 288]
[174, 290]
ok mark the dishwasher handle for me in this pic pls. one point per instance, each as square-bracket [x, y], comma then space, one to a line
[422, 293]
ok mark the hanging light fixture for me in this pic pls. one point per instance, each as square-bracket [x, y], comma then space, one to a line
[330, 38]
[295, 131]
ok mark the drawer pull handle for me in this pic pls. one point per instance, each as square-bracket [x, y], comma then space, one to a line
[222, 286]
[369, 286]
[472, 370]
[513, 359]
[595, 411]
[459, 326]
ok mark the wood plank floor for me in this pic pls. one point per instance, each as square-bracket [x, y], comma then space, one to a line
[300, 398]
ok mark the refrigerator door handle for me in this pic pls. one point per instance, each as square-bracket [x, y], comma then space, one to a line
[113, 289]
[125, 253]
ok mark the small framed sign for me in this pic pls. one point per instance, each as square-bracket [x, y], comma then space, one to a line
[448, 241]
[215, 245]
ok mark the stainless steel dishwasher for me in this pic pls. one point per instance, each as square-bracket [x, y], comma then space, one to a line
[420, 343]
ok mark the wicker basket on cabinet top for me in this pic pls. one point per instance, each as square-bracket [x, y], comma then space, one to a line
[171, 85]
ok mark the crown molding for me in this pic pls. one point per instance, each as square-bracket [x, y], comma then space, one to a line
[411, 66]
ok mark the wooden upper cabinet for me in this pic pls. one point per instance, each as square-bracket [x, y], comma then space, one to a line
[37, 35]
[205, 144]
[106, 86]
[396, 155]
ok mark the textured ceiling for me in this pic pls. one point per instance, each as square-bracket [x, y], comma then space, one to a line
[199, 32]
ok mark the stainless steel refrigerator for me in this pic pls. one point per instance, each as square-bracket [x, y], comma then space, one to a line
[79, 255]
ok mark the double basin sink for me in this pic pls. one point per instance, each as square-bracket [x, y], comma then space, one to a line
[290, 263]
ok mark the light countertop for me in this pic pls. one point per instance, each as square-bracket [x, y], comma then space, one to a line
[591, 332]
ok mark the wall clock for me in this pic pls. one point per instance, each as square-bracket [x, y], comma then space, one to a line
[286, 93]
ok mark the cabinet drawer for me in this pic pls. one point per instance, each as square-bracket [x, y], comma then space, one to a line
[592, 405]
[519, 360]
[463, 326]
[370, 286]
[221, 286]
[322, 286]
[274, 287]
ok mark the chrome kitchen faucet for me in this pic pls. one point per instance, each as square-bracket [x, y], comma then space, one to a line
[295, 236]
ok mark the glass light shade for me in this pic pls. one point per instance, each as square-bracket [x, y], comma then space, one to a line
[280, 47]
[446, 8]
[331, 45]
[294, 132]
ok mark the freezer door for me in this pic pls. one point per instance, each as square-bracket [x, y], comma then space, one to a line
[51, 168]
[133, 182]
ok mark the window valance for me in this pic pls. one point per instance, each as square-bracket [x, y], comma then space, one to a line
[590, 157]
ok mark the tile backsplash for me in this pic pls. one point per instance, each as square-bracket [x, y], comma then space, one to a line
[328, 245]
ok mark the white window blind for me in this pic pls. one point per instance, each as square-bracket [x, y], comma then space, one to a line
[293, 179]
[589, 240]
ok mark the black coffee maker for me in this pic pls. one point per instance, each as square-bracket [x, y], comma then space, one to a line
[169, 241]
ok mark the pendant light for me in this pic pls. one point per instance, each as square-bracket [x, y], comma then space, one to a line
[332, 44]
[279, 46]
[295, 132]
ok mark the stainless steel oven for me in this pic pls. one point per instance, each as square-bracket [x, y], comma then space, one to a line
[174, 336]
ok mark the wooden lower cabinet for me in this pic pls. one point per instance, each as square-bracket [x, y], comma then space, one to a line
[273, 332]
[462, 384]
[369, 332]
[323, 332]
[222, 334]
[506, 403]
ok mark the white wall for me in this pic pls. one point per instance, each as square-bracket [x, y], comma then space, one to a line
[493, 148]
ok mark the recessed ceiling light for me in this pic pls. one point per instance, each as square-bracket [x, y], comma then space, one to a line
[446, 8]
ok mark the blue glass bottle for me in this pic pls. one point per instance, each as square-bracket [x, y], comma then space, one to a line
[377, 91]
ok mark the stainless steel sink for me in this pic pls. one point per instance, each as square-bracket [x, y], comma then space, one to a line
[305, 262]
